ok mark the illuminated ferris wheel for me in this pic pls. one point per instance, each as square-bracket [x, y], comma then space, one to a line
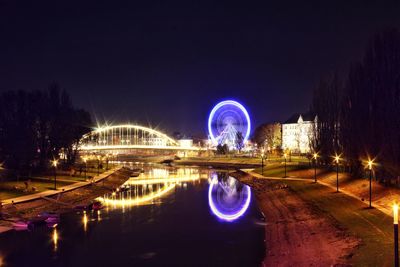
[226, 120]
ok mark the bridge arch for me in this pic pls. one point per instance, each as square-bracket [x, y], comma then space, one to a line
[126, 136]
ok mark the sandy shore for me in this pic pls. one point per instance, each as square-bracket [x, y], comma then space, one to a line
[298, 234]
[66, 200]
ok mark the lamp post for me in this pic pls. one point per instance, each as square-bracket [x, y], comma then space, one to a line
[285, 156]
[337, 158]
[262, 161]
[54, 163]
[370, 163]
[315, 156]
[396, 234]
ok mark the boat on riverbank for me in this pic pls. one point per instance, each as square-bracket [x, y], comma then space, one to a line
[28, 224]
[50, 217]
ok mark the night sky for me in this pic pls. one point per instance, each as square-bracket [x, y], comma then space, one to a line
[165, 64]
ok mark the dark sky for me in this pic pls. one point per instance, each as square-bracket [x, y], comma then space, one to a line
[167, 63]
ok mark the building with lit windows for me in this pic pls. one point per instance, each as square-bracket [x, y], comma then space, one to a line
[297, 132]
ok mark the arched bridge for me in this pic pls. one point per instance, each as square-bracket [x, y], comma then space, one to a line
[127, 137]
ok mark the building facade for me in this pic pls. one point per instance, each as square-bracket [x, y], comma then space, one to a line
[297, 132]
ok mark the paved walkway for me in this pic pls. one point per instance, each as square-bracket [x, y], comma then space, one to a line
[384, 209]
[66, 188]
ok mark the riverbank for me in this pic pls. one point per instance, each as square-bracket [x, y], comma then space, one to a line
[297, 233]
[40, 182]
[62, 201]
[220, 162]
[370, 229]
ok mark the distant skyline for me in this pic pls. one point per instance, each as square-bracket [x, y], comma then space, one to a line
[166, 64]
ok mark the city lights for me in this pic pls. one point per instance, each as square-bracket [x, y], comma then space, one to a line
[199, 133]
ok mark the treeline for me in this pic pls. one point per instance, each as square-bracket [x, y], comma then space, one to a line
[359, 116]
[39, 126]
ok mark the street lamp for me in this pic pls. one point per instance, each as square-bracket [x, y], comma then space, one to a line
[315, 156]
[285, 156]
[370, 163]
[337, 159]
[396, 234]
[54, 163]
[262, 161]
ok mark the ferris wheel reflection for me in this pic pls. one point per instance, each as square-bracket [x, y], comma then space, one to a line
[228, 199]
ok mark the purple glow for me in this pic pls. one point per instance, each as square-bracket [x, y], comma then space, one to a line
[224, 104]
[223, 215]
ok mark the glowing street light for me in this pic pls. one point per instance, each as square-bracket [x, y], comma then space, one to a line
[370, 164]
[54, 163]
[396, 234]
[315, 156]
[337, 159]
[285, 156]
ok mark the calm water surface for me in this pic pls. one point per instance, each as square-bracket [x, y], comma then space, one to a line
[164, 217]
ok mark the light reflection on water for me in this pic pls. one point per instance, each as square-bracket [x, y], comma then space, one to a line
[99, 215]
[84, 221]
[228, 199]
[55, 238]
[161, 211]
[158, 182]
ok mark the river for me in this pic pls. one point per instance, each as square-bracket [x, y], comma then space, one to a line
[166, 216]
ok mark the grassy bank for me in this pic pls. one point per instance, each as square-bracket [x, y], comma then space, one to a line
[278, 169]
[40, 183]
[371, 226]
[17, 188]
